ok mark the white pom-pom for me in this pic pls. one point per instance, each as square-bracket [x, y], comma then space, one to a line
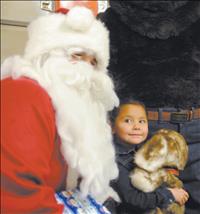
[80, 18]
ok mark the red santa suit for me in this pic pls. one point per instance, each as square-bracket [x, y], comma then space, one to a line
[45, 103]
[32, 168]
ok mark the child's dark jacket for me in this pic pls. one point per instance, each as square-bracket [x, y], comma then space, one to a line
[134, 200]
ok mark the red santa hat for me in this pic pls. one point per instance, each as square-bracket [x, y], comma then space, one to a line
[78, 28]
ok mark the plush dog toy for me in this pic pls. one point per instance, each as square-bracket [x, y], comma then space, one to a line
[157, 162]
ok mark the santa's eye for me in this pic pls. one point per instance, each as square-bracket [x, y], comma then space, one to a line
[77, 55]
[94, 62]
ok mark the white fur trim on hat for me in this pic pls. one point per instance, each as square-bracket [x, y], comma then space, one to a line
[80, 18]
[78, 28]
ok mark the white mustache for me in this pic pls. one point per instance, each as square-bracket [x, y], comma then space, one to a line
[82, 77]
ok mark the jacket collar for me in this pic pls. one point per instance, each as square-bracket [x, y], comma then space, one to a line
[123, 148]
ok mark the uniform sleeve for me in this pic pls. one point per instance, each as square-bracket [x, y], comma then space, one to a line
[136, 199]
[28, 134]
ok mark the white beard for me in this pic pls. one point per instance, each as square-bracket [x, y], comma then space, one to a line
[81, 97]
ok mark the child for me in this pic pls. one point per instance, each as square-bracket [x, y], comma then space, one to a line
[130, 129]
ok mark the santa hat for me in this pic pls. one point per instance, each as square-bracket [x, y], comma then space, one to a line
[78, 28]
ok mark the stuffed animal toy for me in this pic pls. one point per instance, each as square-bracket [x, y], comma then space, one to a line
[158, 162]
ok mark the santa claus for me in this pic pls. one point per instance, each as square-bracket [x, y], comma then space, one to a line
[55, 100]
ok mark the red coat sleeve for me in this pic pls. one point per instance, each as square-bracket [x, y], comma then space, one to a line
[27, 148]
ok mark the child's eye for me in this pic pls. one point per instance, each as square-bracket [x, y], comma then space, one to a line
[127, 120]
[142, 121]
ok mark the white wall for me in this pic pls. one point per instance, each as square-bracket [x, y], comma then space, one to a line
[21, 11]
[15, 16]
[13, 39]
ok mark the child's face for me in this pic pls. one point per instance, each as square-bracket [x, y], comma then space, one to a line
[131, 124]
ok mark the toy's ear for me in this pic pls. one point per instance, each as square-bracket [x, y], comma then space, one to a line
[153, 147]
[152, 155]
[182, 148]
[177, 148]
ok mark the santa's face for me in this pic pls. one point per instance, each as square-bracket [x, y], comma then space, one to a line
[79, 71]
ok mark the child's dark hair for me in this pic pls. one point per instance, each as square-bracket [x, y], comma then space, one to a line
[113, 114]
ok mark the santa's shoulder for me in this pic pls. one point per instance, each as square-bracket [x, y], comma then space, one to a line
[24, 88]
